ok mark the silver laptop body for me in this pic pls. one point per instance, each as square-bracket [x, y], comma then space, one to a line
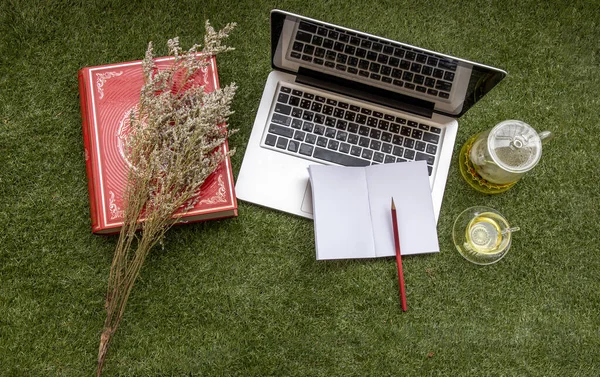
[340, 96]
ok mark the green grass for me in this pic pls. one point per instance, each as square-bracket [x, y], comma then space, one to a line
[245, 296]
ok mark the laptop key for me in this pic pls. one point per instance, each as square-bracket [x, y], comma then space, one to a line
[422, 156]
[304, 37]
[341, 136]
[306, 149]
[341, 124]
[305, 104]
[283, 109]
[296, 123]
[375, 134]
[367, 154]
[375, 145]
[338, 158]
[398, 151]
[281, 119]
[307, 27]
[443, 85]
[308, 116]
[282, 97]
[297, 46]
[333, 145]
[330, 132]
[431, 138]
[447, 64]
[294, 101]
[319, 129]
[299, 135]
[398, 140]
[281, 131]
[352, 139]
[293, 146]
[271, 139]
[282, 143]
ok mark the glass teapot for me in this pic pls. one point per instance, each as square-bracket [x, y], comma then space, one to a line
[502, 155]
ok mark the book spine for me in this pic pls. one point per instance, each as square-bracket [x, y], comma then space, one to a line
[87, 145]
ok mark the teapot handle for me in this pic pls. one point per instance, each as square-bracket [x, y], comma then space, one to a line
[545, 136]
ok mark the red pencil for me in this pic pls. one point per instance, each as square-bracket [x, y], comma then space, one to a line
[398, 257]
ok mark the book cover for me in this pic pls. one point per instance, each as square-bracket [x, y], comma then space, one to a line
[108, 94]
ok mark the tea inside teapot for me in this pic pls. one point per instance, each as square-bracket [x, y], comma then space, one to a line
[506, 152]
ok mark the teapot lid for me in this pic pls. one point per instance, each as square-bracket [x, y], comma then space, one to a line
[515, 146]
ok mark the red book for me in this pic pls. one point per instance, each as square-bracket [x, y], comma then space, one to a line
[108, 93]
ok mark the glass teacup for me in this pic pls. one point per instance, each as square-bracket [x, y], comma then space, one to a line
[482, 235]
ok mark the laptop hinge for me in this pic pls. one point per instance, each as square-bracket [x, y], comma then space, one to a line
[365, 92]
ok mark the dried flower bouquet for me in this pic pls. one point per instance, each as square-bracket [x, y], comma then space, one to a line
[172, 146]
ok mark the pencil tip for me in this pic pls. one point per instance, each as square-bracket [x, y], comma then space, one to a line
[393, 205]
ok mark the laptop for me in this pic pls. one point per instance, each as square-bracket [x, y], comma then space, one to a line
[344, 97]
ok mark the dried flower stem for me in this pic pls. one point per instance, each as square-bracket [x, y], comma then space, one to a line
[173, 146]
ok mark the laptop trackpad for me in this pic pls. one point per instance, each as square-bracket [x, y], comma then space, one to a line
[307, 204]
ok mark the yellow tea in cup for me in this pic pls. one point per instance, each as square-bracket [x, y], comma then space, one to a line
[482, 235]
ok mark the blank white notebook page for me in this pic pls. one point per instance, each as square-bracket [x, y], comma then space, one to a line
[342, 211]
[408, 184]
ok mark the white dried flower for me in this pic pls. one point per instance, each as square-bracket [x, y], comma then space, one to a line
[173, 147]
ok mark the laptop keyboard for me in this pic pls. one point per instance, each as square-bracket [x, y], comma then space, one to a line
[388, 64]
[324, 129]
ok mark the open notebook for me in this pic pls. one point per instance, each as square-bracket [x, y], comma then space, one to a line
[352, 210]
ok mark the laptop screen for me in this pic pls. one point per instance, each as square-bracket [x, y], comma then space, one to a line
[387, 68]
